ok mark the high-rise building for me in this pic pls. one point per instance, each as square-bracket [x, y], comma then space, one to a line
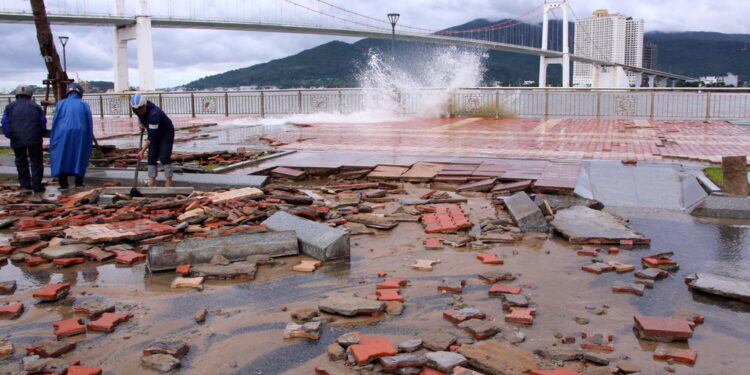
[609, 37]
[650, 53]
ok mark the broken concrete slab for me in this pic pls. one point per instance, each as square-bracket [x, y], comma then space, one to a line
[424, 264]
[393, 363]
[493, 357]
[559, 202]
[64, 251]
[444, 361]
[50, 348]
[480, 329]
[720, 285]
[666, 352]
[309, 330]
[234, 247]
[496, 276]
[8, 287]
[437, 339]
[580, 224]
[525, 213]
[626, 287]
[236, 270]
[316, 240]
[561, 353]
[93, 307]
[161, 362]
[410, 345]
[373, 221]
[651, 273]
[723, 206]
[248, 192]
[351, 306]
[187, 282]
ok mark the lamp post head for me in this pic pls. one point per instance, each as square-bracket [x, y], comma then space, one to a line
[63, 40]
[393, 17]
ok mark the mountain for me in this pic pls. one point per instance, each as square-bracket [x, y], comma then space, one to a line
[336, 64]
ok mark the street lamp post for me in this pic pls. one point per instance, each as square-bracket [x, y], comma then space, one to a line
[393, 17]
[64, 41]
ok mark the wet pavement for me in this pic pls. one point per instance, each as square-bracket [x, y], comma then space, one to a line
[242, 334]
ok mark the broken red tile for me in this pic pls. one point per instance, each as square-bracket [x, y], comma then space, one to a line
[597, 341]
[627, 243]
[452, 287]
[50, 348]
[428, 194]
[52, 292]
[666, 352]
[391, 283]
[588, 252]
[84, 370]
[8, 287]
[31, 249]
[183, 269]
[522, 315]
[69, 327]
[613, 251]
[176, 349]
[12, 310]
[107, 322]
[429, 371]
[157, 239]
[7, 249]
[660, 261]
[668, 327]
[68, 261]
[110, 184]
[497, 290]
[285, 172]
[690, 316]
[382, 274]
[482, 185]
[129, 257]
[557, 371]
[389, 295]
[598, 268]
[490, 258]
[370, 348]
[35, 261]
[432, 243]
[98, 254]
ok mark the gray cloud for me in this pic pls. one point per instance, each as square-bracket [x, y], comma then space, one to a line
[182, 55]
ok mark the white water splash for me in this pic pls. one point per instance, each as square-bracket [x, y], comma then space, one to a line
[423, 86]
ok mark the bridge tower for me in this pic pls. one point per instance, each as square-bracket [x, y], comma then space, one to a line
[141, 33]
[544, 61]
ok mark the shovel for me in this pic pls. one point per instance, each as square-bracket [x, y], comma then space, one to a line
[134, 191]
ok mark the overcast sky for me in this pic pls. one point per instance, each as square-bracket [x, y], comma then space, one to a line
[185, 55]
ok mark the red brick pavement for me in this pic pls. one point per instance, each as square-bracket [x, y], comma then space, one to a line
[531, 138]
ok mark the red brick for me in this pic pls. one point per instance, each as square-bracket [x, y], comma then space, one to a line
[522, 315]
[672, 327]
[665, 352]
[68, 261]
[129, 257]
[613, 250]
[432, 243]
[31, 249]
[183, 269]
[7, 250]
[429, 371]
[107, 322]
[13, 310]
[489, 258]
[83, 370]
[587, 253]
[557, 371]
[69, 327]
[389, 295]
[35, 261]
[43, 346]
[370, 348]
[52, 292]
[98, 254]
[497, 289]
[391, 283]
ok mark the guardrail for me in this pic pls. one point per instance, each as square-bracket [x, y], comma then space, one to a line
[634, 103]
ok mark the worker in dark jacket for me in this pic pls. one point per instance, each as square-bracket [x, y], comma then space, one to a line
[71, 138]
[160, 137]
[25, 124]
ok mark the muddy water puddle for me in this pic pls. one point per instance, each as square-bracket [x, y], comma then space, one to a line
[243, 331]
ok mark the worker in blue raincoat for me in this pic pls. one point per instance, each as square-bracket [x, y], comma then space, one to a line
[71, 138]
[24, 123]
[160, 137]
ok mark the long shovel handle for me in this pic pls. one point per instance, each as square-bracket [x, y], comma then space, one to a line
[138, 162]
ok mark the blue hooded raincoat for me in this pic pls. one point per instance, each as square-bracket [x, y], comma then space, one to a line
[71, 137]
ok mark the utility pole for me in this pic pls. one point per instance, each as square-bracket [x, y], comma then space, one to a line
[56, 76]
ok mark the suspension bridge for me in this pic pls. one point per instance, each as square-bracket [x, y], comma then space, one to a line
[134, 21]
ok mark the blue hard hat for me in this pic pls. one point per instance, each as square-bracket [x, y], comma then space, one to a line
[74, 87]
[137, 101]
